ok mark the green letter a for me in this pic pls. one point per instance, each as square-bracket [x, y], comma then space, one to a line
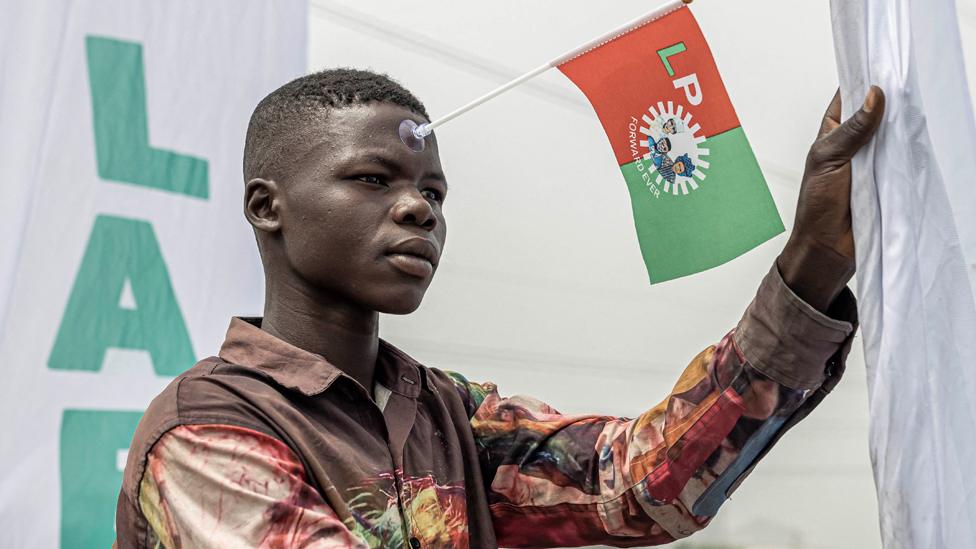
[121, 250]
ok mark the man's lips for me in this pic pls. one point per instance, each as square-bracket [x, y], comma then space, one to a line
[414, 256]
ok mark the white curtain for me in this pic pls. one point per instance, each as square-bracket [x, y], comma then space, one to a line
[914, 208]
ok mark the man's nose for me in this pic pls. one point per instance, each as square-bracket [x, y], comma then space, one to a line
[412, 208]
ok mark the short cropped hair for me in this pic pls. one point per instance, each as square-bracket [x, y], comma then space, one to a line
[279, 120]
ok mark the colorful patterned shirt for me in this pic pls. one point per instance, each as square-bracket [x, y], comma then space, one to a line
[267, 445]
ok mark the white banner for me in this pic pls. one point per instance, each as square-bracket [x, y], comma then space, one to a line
[914, 212]
[122, 127]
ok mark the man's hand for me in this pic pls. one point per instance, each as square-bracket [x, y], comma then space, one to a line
[818, 259]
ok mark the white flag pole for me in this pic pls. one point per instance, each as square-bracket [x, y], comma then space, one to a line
[423, 130]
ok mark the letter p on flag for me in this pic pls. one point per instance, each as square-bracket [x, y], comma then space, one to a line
[706, 201]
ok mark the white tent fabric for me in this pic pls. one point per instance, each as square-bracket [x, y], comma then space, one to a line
[914, 209]
[121, 130]
[27, 101]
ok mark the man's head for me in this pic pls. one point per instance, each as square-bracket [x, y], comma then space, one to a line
[683, 165]
[663, 145]
[340, 206]
[670, 127]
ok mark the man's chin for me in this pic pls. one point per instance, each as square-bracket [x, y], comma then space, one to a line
[401, 302]
[400, 308]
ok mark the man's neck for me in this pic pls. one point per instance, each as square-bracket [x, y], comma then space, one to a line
[345, 335]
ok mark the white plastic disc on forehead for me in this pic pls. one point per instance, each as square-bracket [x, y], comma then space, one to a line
[408, 134]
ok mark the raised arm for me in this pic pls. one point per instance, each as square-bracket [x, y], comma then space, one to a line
[562, 480]
[580, 480]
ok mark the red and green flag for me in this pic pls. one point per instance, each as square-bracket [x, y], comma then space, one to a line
[698, 195]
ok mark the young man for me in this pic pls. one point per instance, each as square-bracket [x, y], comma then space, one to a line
[307, 430]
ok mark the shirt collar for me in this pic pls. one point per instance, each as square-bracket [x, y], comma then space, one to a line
[246, 344]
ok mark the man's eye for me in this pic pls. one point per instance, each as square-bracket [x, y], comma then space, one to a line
[371, 179]
[432, 194]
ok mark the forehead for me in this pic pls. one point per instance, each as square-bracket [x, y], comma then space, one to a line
[348, 133]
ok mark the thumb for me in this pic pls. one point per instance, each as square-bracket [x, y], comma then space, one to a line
[837, 147]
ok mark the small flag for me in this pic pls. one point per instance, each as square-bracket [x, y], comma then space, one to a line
[698, 195]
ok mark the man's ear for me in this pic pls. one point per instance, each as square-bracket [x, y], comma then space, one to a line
[262, 205]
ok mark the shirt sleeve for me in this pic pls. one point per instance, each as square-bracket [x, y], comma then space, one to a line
[570, 480]
[226, 486]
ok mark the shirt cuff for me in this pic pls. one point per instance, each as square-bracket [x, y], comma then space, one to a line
[790, 342]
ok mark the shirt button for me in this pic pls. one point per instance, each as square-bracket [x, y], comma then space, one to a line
[415, 543]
